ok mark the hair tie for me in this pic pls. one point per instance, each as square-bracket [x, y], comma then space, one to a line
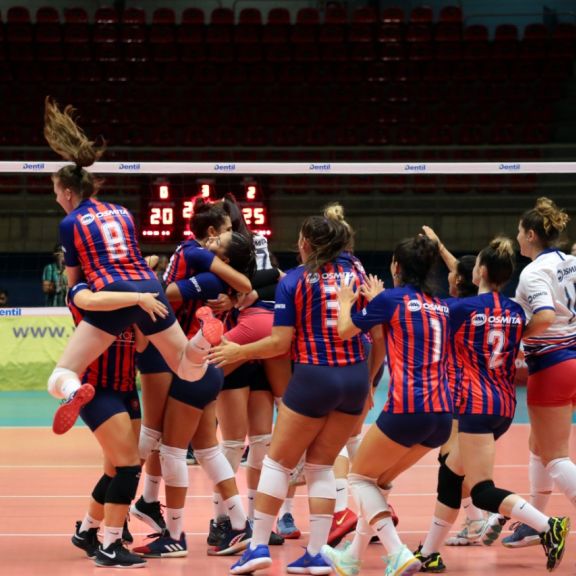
[78, 171]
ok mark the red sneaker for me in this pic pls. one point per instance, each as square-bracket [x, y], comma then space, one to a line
[342, 523]
[212, 328]
[67, 413]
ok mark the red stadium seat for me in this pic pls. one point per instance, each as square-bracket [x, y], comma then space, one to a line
[278, 16]
[222, 17]
[250, 16]
[476, 33]
[247, 34]
[448, 32]
[132, 34]
[19, 33]
[106, 15]
[139, 52]
[48, 33]
[390, 33]
[418, 33]
[190, 34]
[303, 34]
[80, 52]
[422, 15]
[308, 17]
[75, 16]
[451, 14]
[134, 16]
[76, 34]
[162, 34]
[47, 15]
[331, 34]
[365, 15]
[392, 15]
[506, 32]
[18, 15]
[165, 16]
[105, 33]
[193, 16]
[361, 33]
[51, 52]
[336, 15]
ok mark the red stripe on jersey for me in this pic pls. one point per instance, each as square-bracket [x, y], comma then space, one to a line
[410, 359]
[309, 336]
[396, 362]
[299, 348]
[325, 313]
[132, 249]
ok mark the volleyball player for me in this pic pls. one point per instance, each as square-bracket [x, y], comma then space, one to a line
[487, 331]
[100, 244]
[113, 416]
[418, 414]
[547, 292]
[325, 395]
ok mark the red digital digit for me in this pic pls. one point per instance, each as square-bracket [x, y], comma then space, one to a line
[251, 192]
[187, 209]
[259, 216]
[155, 215]
[167, 216]
[248, 215]
[164, 192]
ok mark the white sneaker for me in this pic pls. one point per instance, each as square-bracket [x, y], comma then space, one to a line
[402, 563]
[470, 533]
[341, 560]
[493, 529]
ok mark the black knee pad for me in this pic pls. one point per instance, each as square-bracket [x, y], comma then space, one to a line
[442, 457]
[449, 487]
[123, 487]
[487, 497]
[99, 492]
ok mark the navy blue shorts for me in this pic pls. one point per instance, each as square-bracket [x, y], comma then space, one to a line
[315, 391]
[107, 403]
[118, 320]
[243, 376]
[484, 424]
[430, 429]
[200, 393]
[150, 361]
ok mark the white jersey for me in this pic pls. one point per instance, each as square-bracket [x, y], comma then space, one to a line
[263, 261]
[549, 283]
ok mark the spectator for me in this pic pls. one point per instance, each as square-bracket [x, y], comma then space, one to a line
[158, 265]
[573, 249]
[54, 281]
[3, 298]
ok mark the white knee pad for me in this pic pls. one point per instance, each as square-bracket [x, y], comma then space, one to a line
[368, 497]
[149, 440]
[343, 453]
[352, 445]
[540, 479]
[320, 480]
[259, 446]
[62, 382]
[275, 479]
[233, 450]
[174, 468]
[563, 472]
[215, 464]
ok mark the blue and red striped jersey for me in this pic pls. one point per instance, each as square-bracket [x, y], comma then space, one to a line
[453, 369]
[308, 302]
[417, 331]
[100, 238]
[188, 259]
[116, 368]
[487, 333]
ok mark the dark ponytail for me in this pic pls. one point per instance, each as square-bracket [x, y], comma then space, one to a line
[416, 257]
[207, 214]
[327, 239]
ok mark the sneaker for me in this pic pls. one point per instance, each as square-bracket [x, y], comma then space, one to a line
[522, 536]
[275, 539]
[67, 414]
[493, 529]
[431, 563]
[116, 556]
[287, 528]
[470, 533]
[308, 564]
[212, 328]
[403, 563]
[87, 540]
[127, 538]
[554, 541]
[150, 513]
[190, 458]
[252, 560]
[215, 530]
[341, 561]
[343, 523]
[163, 546]
[230, 541]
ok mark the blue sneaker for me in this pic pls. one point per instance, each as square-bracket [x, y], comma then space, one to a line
[521, 537]
[287, 528]
[164, 546]
[252, 560]
[309, 564]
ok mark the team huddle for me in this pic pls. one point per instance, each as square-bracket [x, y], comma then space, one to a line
[232, 336]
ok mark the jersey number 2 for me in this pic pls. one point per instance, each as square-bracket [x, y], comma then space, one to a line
[496, 340]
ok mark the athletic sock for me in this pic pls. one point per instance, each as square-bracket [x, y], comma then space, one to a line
[320, 525]
[151, 488]
[175, 522]
[263, 524]
[527, 514]
[251, 499]
[472, 512]
[234, 510]
[362, 538]
[89, 523]
[286, 507]
[341, 494]
[438, 532]
[387, 534]
[111, 534]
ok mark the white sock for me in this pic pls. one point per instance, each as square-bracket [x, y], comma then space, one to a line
[320, 525]
[151, 488]
[527, 514]
[89, 523]
[111, 535]
[541, 483]
[286, 507]
[263, 524]
[563, 471]
[387, 534]
[70, 386]
[219, 509]
[362, 538]
[341, 494]
[251, 498]
[472, 512]
[438, 532]
[175, 522]
[235, 511]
